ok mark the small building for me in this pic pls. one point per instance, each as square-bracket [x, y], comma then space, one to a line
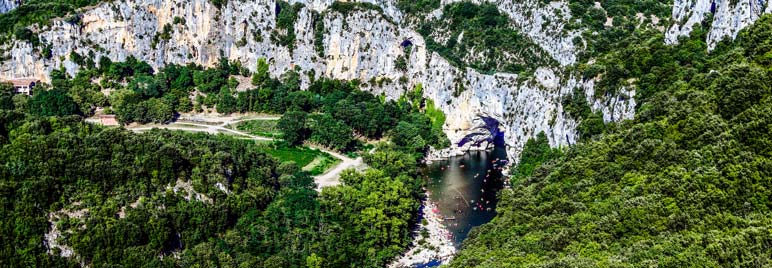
[108, 120]
[24, 85]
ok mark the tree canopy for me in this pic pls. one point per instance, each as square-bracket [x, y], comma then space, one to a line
[80, 194]
[684, 184]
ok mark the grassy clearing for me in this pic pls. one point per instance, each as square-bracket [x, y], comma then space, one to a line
[302, 156]
[321, 164]
[259, 127]
[258, 142]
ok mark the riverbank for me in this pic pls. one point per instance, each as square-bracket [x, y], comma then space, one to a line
[432, 242]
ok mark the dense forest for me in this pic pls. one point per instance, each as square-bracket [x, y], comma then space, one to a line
[684, 184]
[336, 112]
[330, 113]
[163, 198]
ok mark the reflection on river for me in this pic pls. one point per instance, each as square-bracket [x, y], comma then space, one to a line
[464, 189]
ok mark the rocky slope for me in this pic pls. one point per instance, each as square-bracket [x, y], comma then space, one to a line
[360, 44]
[727, 17]
[543, 22]
[8, 5]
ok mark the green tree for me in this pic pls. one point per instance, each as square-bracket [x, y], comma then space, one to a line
[53, 102]
[124, 103]
[408, 135]
[591, 125]
[536, 151]
[261, 74]
[400, 63]
[7, 91]
[293, 127]
[740, 87]
[314, 261]
[392, 162]
[157, 111]
[226, 102]
[330, 132]
[210, 80]
[104, 64]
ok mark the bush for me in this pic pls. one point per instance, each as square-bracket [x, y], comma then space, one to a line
[293, 126]
[53, 102]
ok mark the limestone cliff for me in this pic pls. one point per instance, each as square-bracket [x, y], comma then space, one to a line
[543, 22]
[726, 17]
[361, 44]
[8, 5]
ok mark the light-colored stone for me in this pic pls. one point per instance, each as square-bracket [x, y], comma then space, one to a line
[727, 20]
[543, 22]
[8, 5]
[363, 44]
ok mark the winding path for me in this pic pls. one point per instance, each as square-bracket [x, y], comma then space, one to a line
[219, 125]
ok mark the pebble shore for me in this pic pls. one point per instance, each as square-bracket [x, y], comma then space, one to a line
[438, 246]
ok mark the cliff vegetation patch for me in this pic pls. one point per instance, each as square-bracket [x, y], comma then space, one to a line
[684, 184]
[481, 37]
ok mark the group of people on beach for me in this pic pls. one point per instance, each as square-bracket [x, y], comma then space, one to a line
[437, 216]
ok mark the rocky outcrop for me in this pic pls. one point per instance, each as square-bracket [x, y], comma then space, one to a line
[544, 22]
[54, 238]
[435, 247]
[8, 5]
[727, 18]
[362, 44]
[389, 7]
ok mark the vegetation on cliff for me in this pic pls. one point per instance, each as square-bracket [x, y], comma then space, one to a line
[480, 36]
[684, 184]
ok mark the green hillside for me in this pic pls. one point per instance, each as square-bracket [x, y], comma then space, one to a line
[687, 183]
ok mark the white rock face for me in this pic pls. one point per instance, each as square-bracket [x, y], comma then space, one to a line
[51, 239]
[8, 5]
[389, 6]
[543, 22]
[361, 45]
[727, 21]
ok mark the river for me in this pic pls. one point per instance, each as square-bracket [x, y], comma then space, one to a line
[462, 194]
[464, 189]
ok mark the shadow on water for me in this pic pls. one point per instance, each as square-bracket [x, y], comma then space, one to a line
[464, 189]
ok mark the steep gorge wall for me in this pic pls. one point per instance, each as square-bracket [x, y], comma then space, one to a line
[543, 22]
[361, 45]
[8, 5]
[726, 18]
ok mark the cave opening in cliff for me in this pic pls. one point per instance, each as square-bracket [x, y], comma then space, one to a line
[490, 134]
